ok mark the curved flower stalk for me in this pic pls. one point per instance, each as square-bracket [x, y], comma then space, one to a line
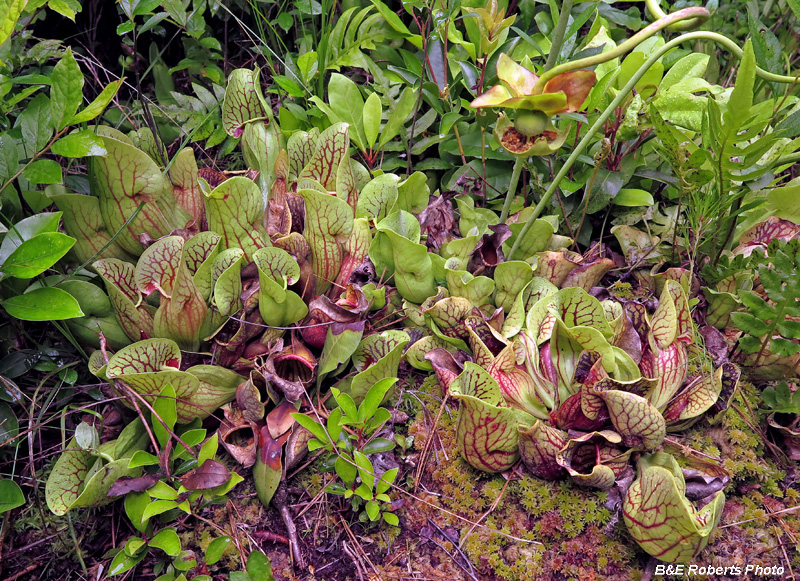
[685, 14]
[659, 516]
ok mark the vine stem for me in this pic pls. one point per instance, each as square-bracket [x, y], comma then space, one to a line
[512, 188]
[558, 35]
[621, 96]
[693, 13]
[654, 8]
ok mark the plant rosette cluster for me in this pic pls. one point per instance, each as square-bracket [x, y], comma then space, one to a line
[531, 132]
[582, 386]
[213, 270]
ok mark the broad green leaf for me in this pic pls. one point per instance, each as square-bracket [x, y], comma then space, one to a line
[216, 549]
[633, 197]
[43, 304]
[37, 254]
[346, 470]
[10, 11]
[340, 343]
[397, 117]
[347, 104]
[371, 119]
[167, 540]
[766, 46]
[164, 413]
[158, 507]
[83, 143]
[36, 125]
[394, 21]
[328, 224]
[123, 562]
[43, 171]
[10, 495]
[268, 470]
[235, 210]
[9, 424]
[67, 8]
[258, 567]
[97, 106]
[365, 469]
[66, 92]
[648, 84]
[659, 516]
[9, 156]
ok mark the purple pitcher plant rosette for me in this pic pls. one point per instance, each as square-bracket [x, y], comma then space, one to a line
[532, 131]
[585, 386]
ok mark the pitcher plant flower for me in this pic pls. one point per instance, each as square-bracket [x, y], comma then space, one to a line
[532, 131]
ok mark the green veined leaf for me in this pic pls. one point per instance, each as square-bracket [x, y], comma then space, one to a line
[10, 495]
[43, 171]
[43, 304]
[83, 143]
